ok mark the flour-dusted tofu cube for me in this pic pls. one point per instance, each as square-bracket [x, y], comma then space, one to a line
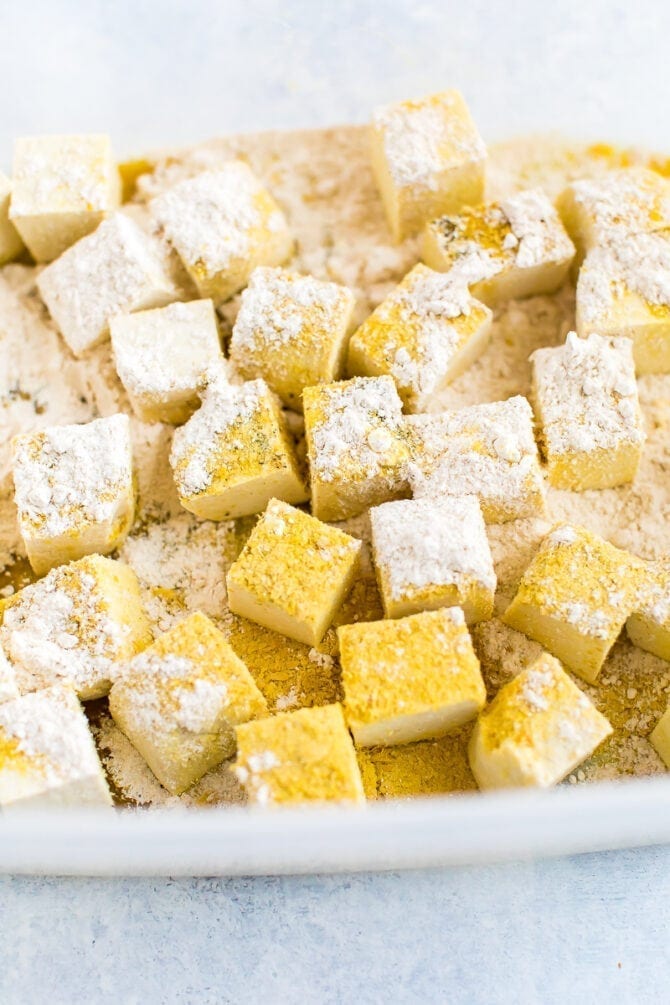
[62, 188]
[222, 225]
[162, 357]
[47, 754]
[235, 453]
[115, 270]
[428, 159]
[75, 625]
[424, 334]
[293, 573]
[178, 702]
[431, 553]
[74, 490]
[11, 244]
[623, 289]
[575, 596]
[410, 679]
[503, 250]
[291, 330]
[8, 686]
[298, 757]
[649, 624]
[660, 738]
[487, 450]
[537, 729]
[586, 403]
[357, 446]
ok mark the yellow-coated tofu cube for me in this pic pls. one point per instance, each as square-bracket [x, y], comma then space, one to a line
[410, 679]
[8, 686]
[537, 729]
[162, 357]
[586, 403]
[487, 450]
[11, 244]
[649, 624]
[424, 334]
[222, 225]
[179, 701]
[74, 490]
[63, 187]
[115, 270]
[502, 250]
[624, 290]
[291, 330]
[431, 553]
[235, 453]
[47, 754]
[428, 159]
[299, 757]
[357, 446]
[75, 625]
[574, 598]
[293, 573]
[660, 738]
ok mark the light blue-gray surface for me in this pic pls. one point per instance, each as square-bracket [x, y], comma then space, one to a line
[581, 930]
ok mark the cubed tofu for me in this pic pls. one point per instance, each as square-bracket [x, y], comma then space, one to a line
[357, 446]
[291, 330]
[293, 573]
[235, 453]
[660, 738]
[75, 625]
[428, 159]
[574, 598]
[537, 729]
[8, 686]
[586, 403]
[162, 357]
[503, 250]
[47, 754]
[179, 701]
[431, 553]
[624, 290]
[74, 490]
[11, 244]
[410, 679]
[487, 450]
[222, 225]
[426, 333]
[649, 624]
[304, 756]
[62, 188]
[115, 270]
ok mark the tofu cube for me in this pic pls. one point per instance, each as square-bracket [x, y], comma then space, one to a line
[410, 679]
[503, 250]
[357, 446]
[649, 624]
[63, 187]
[586, 403]
[623, 289]
[74, 490]
[660, 738]
[179, 701]
[75, 625]
[11, 244]
[487, 450]
[115, 270]
[428, 159]
[574, 598]
[291, 330]
[47, 755]
[424, 334]
[432, 553]
[293, 573]
[8, 687]
[223, 224]
[537, 729]
[298, 757]
[235, 453]
[162, 357]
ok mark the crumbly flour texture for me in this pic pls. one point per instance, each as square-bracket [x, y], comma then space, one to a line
[323, 182]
